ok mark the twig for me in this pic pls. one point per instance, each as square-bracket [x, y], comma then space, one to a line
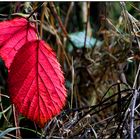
[106, 119]
[119, 102]
[132, 126]
[94, 132]
[137, 76]
[53, 9]
[116, 84]
[16, 122]
[35, 10]
[60, 43]
[133, 101]
[132, 22]
[93, 107]
[52, 130]
[68, 14]
[54, 12]
[122, 122]
[2, 106]
[4, 96]
[138, 10]
[86, 27]
[42, 19]
[127, 19]
[107, 105]
[72, 84]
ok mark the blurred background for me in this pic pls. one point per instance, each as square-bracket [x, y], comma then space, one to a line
[98, 47]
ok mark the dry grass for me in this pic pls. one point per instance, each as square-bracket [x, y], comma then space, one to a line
[103, 82]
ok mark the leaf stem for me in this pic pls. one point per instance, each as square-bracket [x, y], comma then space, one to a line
[35, 10]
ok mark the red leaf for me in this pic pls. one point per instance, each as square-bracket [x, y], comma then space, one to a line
[36, 82]
[13, 35]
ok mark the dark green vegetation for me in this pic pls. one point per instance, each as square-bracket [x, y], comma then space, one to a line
[98, 46]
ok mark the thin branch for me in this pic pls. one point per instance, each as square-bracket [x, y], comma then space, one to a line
[132, 126]
[72, 84]
[53, 9]
[16, 115]
[35, 10]
[42, 19]
[86, 27]
[68, 14]
[2, 106]
[136, 77]
[54, 12]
